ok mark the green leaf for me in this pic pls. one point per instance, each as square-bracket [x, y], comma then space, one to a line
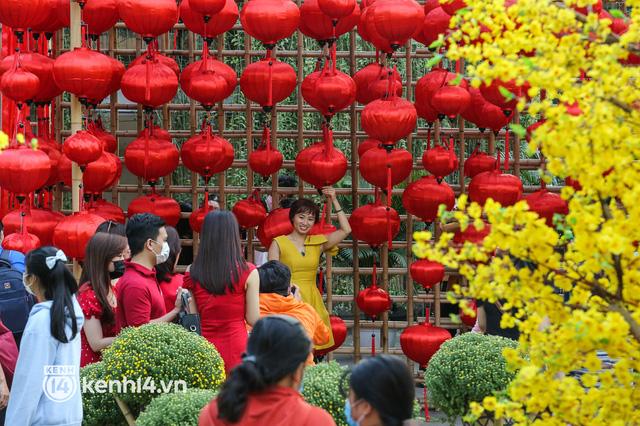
[456, 81]
[528, 62]
[439, 42]
[434, 61]
[518, 129]
[507, 94]
[617, 13]
[463, 11]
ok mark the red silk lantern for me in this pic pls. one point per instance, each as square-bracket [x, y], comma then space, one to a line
[473, 111]
[389, 120]
[151, 158]
[370, 74]
[397, 20]
[427, 273]
[472, 235]
[423, 198]
[547, 204]
[503, 188]
[109, 142]
[39, 222]
[470, 320]
[366, 145]
[493, 94]
[429, 84]
[42, 67]
[250, 212]
[369, 33]
[436, 22]
[370, 223]
[196, 218]
[57, 17]
[19, 84]
[452, 6]
[163, 59]
[23, 170]
[208, 81]
[492, 117]
[426, 111]
[149, 18]
[166, 208]
[429, 5]
[254, 81]
[156, 132]
[73, 233]
[373, 301]
[100, 174]
[99, 15]
[54, 158]
[339, 331]
[439, 161]
[420, 342]
[317, 25]
[20, 15]
[451, 100]
[85, 73]
[573, 183]
[150, 83]
[82, 147]
[107, 210]
[265, 160]
[207, 8]
[320, 165]
[276, 224]
[270, 20]
[336, 9]
[63, 172]
[478, 162]
[376, 162]
[207, 154]
[22, 241]
[223, 21]
[333, 91]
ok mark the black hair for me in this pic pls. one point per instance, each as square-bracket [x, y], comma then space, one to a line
[303, 205]
[59, 286]
[287, 202]
[385, 382]
[220, 261]
[1, 226]
[287, 181]
[112, 227]
[276, 348]
[164, 270]
[140, 228]
[275, 277]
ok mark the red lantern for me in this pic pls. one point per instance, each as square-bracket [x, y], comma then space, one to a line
[320, 165]
[439, 161]
[37, 221]
[107, 210]
[436, 22]
[163, 59]
[250, 212]
[473, 111]
[376, 162]
[57, 17]
[420, 342]
[73, 233]
[254, 81]
[149, 18]
[276, 224]
[429, 84]
[389, 120]
[573, 183]
[366, 145]
[19, 84]
[451, 100]
[156, 132]
[429, 5]
[151, 158]
[472, 235]
[504, 188]
[150, 83]
[166, 208]
[426, 111]
[196, 218]
[370, 74]
[478, 162]
[208, 81]
[222, 22]
[547, 204]
[207, 8]
[270, 20]
[397, 20]
[100, 174]
[332, 92]
[63, 172]
[23, 170]
[427, 273]
[368, 32]
[82, 148]
[370, 223]
[470, 320]
[423, 198]
[22, 241]
[109, 142]
[265, 160]
[492, 117]
[21, 15]
[207, 154]
[336, 9]
[42, 67]
[317, 25]
[99, 15]
[373, 301]
[339, 331]
[500, 98]
[85, 73]
[452, 6]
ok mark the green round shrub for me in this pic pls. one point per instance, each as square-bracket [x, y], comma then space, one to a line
[180, 408]
[163, 358]
[465, 369]
[99, 409]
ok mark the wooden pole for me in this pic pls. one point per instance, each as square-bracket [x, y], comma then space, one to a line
[76, 123]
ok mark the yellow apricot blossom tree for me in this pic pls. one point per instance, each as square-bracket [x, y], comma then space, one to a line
[579, 289]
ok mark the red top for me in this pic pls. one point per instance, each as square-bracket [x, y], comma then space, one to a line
[139, 296]
[222, 317]
[91, 308]
[277, 406]
[170, 291]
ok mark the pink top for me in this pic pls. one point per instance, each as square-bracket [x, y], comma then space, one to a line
[91, 308]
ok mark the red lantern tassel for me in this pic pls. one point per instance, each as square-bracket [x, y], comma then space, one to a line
[175, 39]
[389, 192]
[427, 417]
[506, 151]
[451, 152]
[373, 343]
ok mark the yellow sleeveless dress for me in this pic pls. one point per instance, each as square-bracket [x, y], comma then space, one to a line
[303, 273]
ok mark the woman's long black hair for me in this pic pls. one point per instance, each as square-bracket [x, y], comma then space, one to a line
[276, 347]
[220, 262]
[59, 286]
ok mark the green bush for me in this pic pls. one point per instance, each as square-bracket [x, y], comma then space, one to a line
[180, 408]
[99, 409]
[467, 368]
[160, 356]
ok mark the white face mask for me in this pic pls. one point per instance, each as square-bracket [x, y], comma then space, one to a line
[164, 253]
[27, 286]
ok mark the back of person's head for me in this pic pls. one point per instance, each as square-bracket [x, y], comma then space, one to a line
[275, 277]
[304, 205]
[277, 348]
[219, 262]
[1, 228]
[386, 384]
[165, 270]
[112, 227]
[287, 181]
[57, 284]
[140, 228]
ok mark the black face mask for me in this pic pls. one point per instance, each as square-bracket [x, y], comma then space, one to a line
[118, 269]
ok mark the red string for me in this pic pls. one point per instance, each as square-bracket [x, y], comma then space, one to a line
[389, 192]
[373, 343]
[427, 417]
[270, 92]
[451, 152]
[458, 67]
[506, 151]
[175, 39]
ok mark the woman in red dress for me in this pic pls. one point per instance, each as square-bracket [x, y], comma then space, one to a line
[166, 275]
[104, 261]
[224, 287]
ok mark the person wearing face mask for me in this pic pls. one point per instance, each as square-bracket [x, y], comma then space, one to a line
[264, 388]
[169, 280]
[50, 343]
[103, 262]
[381, 393]
[301, 251]
[139, 296]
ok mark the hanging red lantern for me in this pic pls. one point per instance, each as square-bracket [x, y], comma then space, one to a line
[254, 81]
[504, 188]
[42, 67]
[366, 145]
[20, 15]
[453, 6]
[109, 142]
[54, 158]
[157, 56]
[397, 20]
[370, 74]
[502, 94]
[547, 205]
[320, 165]
[22, 242]
[373, 301]
[72, 233]
[250, 212]
[420, 342]
[85, 73]
[337, 9]
[389, 120]
[333, 91]
[423, 198]
[63, 172]
[58, 16]
[270, 20]
[451, 100]
[427, 273]
[19, 85]
[208, 81]
[100, 173]
[472, 235]
[164, 207]
[429, 5]
[429, 84]
[375, 162]
[196, 218]
[317, 25]
[368, 32]
[149, 18]
[265, 160]
[478, 162]
[426, 111]
[23, 170]
[151, 158]
[575, 184]
[82, 148]
[149, 83]
[436, 22]
[207, 8]
[473, 111]
[156, 132]
[439, 161]
[107, 210]
[492, 117]
[207, 154]
[99, 15]
[276, 224]
[223, 21]
[339, 332]
[39, 222]
[371, 223]
[117, 71]
[469, 320]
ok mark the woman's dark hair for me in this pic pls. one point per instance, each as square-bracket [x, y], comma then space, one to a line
[59, 286]
[112, 227]
[276, 347]
[219, 262]
[140, 228]
[102, 247]
[303, 205]
[164, 271]
[386, 383]
[275, 277]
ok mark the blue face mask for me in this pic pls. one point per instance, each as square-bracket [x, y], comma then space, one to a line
[301, 388]
[347, 414]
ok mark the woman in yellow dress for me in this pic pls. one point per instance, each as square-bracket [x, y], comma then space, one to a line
[301, 252]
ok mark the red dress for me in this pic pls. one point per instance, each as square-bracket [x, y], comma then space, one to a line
[170, 290]
[91, 308]
[222, 317]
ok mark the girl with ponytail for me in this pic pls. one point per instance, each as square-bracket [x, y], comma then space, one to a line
[46, 380]
[264, 388]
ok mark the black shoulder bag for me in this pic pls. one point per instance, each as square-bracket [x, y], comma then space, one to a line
[189, 321]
